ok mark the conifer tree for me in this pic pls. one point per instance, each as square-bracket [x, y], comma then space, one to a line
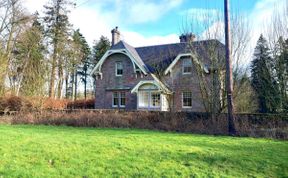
[99, 49]
[57, 31]
[262, 81]
[281, 69]
[29, 58]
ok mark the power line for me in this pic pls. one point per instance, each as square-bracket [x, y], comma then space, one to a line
[84, 2]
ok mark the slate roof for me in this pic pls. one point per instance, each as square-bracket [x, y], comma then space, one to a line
[163, 55]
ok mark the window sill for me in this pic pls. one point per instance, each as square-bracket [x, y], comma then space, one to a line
[118, 106]
[186, 107]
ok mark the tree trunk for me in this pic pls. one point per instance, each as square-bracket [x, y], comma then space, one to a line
[75, 92]
[53, 72]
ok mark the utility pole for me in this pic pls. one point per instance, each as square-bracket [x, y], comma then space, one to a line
[229, 77]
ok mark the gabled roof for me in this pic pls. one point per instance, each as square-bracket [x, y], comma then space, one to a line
[162, 56]
[133, 52]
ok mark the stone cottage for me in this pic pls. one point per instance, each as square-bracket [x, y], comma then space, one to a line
[161, 77]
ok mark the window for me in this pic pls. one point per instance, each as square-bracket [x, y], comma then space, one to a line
[119, 99]
[115, 99]
[155, 99]
[187, 66]
[187, 99]
[119, 69]
[149, 99]
[143, 99]
[122, 99]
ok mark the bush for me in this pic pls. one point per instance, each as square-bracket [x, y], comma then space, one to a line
[81, 104]
[54, 104]
[272, 126]
[14, 103]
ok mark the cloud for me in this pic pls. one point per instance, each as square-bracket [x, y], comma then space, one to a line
[34, 5]
[147, 10]
[201, 14]
[98, 18]
[262, 16]
[135, 39]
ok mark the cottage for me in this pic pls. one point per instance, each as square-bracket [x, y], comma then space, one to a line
[160, 77]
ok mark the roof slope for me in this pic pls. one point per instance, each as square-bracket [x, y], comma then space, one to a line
[161, 56]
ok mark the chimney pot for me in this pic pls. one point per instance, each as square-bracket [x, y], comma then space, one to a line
[115, 36]
[188, 37]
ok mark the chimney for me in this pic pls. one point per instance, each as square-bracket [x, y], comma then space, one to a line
[188, 37]
[115, 36]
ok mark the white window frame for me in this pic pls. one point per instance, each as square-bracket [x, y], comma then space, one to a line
[113, 105]
[116, 68]
[151, 99]
[118, 99]
[150, 102]
[182, 98]
[185, 62]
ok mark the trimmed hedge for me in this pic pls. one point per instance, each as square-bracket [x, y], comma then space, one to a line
[254, 125]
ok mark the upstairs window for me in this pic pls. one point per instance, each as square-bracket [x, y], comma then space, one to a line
[187, 66]
[187, 99]
[119, 69]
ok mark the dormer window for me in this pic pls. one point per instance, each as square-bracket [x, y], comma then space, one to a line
[119, 68]
[187, 66]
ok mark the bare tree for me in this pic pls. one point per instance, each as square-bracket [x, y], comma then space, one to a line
[212, 85]
[13, 21]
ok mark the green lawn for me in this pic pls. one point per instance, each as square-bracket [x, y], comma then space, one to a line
[47, 151]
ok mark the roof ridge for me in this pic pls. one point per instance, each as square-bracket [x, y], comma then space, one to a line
[174, 43]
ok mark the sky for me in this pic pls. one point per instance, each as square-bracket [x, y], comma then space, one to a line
[150, 22]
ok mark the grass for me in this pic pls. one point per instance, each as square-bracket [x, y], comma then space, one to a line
[47, 151]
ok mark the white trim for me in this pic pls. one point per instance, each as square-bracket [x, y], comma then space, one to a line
[152, 82]
[119, 100]
[186, 107]
[184, 65]
[116, 70]
[97, 68]
[169, 68]
[150, 107]
[114, 106]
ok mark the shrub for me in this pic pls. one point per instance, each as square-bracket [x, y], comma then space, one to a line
[274, 126]
[81, 104]
[14, 103]
[54, 104]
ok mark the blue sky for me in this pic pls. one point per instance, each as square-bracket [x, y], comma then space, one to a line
[150, 22]
[171, 21]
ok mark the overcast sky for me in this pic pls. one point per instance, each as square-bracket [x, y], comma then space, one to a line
[150, 22]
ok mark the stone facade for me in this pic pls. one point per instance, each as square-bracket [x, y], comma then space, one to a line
[139, 66]
[111, 83]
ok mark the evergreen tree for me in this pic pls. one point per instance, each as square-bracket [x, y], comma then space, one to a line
[281, 69]
[99, 49]
[262, 81]
[57, 31]
[31, 68]
[84, 57]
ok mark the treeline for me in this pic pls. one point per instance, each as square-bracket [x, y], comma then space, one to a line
[269, 75]
[44, 55]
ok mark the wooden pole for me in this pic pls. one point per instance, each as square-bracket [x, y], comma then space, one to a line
[229, 77]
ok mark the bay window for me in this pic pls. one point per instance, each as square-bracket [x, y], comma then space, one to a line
[149, 99]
